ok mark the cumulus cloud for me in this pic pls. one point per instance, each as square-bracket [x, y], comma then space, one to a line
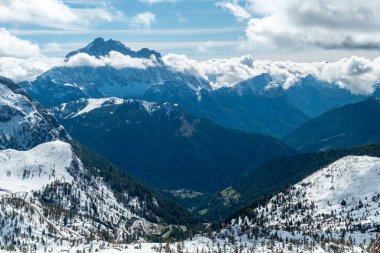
[143, 20]
[53, 13]
[21, 60]
[26, 69]
[12, 46]
[238, 11]
[326, 24]
[113, 59]
[357, 74]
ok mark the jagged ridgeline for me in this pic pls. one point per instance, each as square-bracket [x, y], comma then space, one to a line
[55, 192]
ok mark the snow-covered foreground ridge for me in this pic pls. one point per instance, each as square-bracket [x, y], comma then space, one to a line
[336, 207]
[47, 199]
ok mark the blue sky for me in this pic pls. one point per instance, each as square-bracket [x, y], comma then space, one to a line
[296, 30]
[199, 28]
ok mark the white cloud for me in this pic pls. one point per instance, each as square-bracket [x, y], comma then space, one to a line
[12, 46]
[327, 24]
[143, 20]
[295, 24]
[26, 69]
[114, 59]
[53, 13]
[150, 2]
[20, 59]
[357, 74]
[238, 11]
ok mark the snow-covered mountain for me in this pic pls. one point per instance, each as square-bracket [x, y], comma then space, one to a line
[49, 200]
[57, 194]
[85, 76]
[309, 94]
[69, 83]
[259, 85]
[99, 47]
[24, 123]
[337, 207]
[260, 104]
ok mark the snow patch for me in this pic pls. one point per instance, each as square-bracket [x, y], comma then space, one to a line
[94, 103]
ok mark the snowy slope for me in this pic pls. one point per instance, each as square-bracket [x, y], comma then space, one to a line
[83, 106]
[97, 103]
[352, 180]
[23, 123]
[341, 200]
[46, 195]
[336, 207]
[27, 171]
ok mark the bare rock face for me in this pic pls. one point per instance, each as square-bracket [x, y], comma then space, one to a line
[24, 123]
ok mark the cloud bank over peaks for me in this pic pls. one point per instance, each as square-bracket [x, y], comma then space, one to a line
[19, 69]
[358, 74]
[113, 59]
[22, 60]
[28, 69]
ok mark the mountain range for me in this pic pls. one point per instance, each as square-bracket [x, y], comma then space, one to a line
[259, 105]
[52, 187]
[256, 167]
[184, 151]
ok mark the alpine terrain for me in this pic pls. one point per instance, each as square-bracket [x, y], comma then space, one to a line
[173, 126]
[56, 193]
